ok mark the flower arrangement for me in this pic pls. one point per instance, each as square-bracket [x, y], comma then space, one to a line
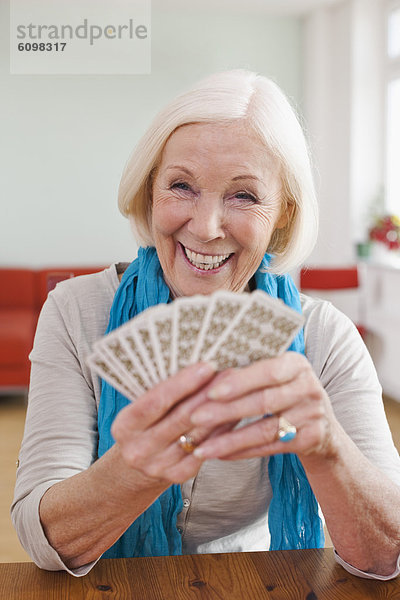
[386, 230]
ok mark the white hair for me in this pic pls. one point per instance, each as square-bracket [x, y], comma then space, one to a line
[224, 98]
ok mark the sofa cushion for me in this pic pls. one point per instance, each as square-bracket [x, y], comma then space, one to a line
[17, 288]
[14, 377]
[17, 328]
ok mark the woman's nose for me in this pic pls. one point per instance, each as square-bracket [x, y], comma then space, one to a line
[206, 222]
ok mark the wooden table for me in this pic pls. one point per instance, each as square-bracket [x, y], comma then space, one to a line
[288, 575]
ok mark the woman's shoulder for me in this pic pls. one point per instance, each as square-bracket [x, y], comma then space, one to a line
[87, 293]
[82, 304]
[75, 315]
[82, 286]
[322, 316]
[331, 338]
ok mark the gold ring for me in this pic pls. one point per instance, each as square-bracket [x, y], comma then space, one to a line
[286, 431]
[187, 443]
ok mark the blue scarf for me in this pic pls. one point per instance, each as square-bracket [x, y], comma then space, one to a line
[293, 512]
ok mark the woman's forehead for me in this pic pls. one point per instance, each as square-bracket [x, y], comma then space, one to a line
[214, 130]
[234, 143]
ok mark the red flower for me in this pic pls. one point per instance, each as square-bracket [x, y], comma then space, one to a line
[386, 230]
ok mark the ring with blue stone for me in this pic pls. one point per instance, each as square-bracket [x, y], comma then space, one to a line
[286, 431]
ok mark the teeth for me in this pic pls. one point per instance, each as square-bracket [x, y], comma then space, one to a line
[205, 261]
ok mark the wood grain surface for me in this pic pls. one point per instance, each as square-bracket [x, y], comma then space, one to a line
[288, 575]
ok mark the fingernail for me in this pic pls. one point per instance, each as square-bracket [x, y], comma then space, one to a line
[198, 453]
[214, 364]
[205, 452]
[206, 368]
[222, 390]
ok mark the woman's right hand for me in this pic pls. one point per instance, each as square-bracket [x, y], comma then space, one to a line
[147, 431]
[85, 514]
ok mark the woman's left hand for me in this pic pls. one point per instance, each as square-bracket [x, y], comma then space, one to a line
[352, 492]
[285, 386]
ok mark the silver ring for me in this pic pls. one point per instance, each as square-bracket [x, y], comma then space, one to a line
[187, 443]
[286, 431]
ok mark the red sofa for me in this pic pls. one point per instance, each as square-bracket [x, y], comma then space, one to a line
[22, 294]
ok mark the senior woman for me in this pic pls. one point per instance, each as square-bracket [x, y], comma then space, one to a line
[221, 178]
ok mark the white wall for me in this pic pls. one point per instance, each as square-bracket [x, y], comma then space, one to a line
[65, 139]
[343, 106]
[344, 109]
[382, 320]
[327, 113]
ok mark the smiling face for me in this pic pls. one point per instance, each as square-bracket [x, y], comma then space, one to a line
[216, 201]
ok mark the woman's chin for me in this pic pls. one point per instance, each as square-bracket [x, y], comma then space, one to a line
[191, 285]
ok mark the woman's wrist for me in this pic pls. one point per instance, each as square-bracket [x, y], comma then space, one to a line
[128, 480]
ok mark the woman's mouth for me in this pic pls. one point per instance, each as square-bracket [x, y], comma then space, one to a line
[205, 262]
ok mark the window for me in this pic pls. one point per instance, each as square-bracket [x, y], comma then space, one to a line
[393, 33]
[393, 109]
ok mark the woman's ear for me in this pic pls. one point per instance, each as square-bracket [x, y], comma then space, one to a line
[286, 214]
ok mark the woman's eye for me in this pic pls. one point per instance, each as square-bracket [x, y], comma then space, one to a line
[246, 196]
[181, 185]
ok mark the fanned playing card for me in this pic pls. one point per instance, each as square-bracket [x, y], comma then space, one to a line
[230, 329]
[189, 314]
[126, 364]
[103, 368]
[133, 349]
[142, 334]
[161, 331]
[263, 328]
[223, 308]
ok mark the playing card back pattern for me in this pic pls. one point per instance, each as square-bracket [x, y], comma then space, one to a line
[232, 330]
